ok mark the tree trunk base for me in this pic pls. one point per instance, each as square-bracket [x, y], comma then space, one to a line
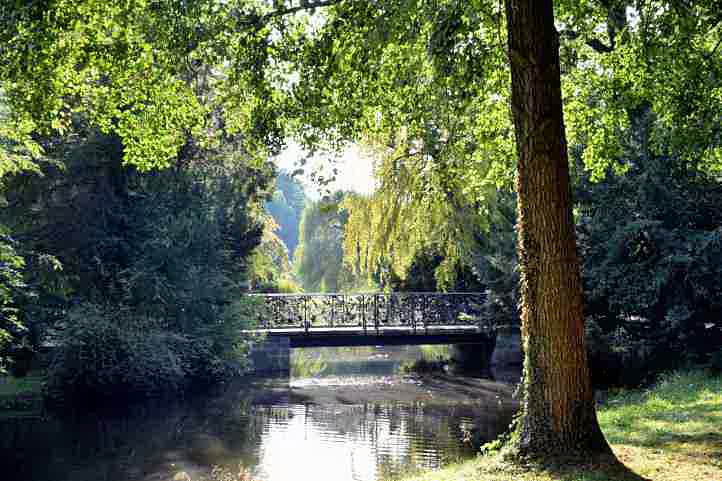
[563, 455]
[543, 446]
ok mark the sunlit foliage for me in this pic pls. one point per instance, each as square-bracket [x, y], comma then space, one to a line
[318, 260]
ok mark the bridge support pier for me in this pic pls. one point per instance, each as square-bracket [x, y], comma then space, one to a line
[271, 357]
[508, 350]
[473, 358]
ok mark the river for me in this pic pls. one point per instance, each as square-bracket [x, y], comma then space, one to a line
[347, 415]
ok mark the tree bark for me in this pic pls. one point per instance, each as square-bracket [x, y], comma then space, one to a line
[558, 414]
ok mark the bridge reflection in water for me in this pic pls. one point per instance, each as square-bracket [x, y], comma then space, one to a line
[375, 319]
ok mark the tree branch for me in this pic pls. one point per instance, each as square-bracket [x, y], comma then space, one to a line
[304, 5]
[260, 20]
[596, 44]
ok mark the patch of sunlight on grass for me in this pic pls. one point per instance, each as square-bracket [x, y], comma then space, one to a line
[672, 432]
[494, 468]
[682, 403]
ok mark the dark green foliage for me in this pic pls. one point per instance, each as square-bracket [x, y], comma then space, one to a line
[652, 245]
[149, 295]
[715, 361]
[107, 353]
[421, 276]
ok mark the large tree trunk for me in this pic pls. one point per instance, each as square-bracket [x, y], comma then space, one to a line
[558, 416]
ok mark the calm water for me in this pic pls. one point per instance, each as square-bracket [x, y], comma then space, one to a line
[308, 429]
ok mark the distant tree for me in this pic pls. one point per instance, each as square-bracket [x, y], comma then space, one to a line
[286, 206]
[318, 259]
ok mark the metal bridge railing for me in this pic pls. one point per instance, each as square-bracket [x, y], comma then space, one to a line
[368, 311]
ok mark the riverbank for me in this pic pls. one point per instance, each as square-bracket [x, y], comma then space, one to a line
[671, 432]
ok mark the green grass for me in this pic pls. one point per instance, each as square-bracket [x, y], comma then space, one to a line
[21, 393]
[671, 432]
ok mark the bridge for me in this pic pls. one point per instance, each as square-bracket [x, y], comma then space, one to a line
[288, 321]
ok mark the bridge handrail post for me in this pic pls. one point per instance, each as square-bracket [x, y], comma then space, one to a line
[376, 312]
[305, 314]
[426, 317]
[347, 308]
[363, 312]
[412, 313]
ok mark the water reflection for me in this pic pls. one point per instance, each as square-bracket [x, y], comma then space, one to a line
[264, 432]
[364, 442]
[344, 361]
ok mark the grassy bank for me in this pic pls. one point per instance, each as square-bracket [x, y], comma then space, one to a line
[21, 393]
[672, 432]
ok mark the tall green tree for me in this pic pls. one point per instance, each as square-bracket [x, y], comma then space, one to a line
[651, 244]
[558, 406]
[152, 264]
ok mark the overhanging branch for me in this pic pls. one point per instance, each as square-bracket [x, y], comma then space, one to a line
[596, 44]
[260, 20]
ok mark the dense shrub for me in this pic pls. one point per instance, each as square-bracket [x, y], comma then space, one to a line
[14, 346]
[111, 353]
[149, 296]
[651, 241]
[107, 352]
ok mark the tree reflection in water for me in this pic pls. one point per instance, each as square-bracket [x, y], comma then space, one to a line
[259, 432]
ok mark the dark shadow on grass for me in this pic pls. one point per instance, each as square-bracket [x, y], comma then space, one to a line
[608, 466]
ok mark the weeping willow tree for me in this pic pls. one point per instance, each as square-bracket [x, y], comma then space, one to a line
[427, 199]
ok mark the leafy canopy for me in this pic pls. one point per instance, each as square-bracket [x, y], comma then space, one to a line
[424, 82]
[433, 72]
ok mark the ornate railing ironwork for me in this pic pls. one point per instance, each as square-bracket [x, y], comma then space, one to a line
[367, 312]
